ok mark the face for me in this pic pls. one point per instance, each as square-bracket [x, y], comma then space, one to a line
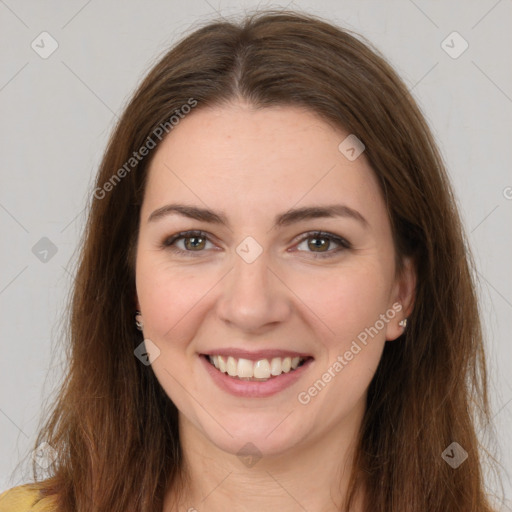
[255, 274]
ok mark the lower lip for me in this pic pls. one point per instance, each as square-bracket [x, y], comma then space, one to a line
[254, 389]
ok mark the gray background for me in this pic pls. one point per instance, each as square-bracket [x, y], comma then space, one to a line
[58, 112]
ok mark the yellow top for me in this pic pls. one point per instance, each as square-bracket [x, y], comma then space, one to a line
[24, 498]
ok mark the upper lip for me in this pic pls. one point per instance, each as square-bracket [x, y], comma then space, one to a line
[254, 355]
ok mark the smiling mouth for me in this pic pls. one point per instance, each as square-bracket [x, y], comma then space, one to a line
[255, 371]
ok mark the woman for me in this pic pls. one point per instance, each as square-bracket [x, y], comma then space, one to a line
[274, 307]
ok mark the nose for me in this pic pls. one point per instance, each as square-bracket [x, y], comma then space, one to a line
[253, 297]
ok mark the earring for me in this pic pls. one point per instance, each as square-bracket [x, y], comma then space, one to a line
[403, 323]
[138, 320]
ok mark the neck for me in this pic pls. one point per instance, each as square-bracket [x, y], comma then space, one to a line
[314, 476]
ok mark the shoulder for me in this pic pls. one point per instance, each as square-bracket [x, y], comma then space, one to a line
[25, 498]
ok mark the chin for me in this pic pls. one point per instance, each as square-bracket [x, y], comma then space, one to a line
[269, 437]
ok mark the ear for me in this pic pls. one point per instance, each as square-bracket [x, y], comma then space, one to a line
[402, 298]
[136, 300]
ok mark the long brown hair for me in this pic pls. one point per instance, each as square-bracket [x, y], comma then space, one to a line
[113, 427]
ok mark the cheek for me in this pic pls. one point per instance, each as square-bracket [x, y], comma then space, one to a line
[345, 300]
[171, 298]
[350, 304]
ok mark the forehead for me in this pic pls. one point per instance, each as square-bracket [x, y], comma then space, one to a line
[249, 159]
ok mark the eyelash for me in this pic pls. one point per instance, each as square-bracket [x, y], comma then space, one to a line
[342, 242]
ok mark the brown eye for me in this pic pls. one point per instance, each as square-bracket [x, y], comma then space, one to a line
[193, 242]
[319, 243]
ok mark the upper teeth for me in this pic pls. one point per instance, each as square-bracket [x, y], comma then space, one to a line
[262, 369]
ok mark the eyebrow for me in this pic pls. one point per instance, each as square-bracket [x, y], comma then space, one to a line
[284, 219]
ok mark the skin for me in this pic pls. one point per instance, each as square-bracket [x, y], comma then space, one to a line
[252, 165]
